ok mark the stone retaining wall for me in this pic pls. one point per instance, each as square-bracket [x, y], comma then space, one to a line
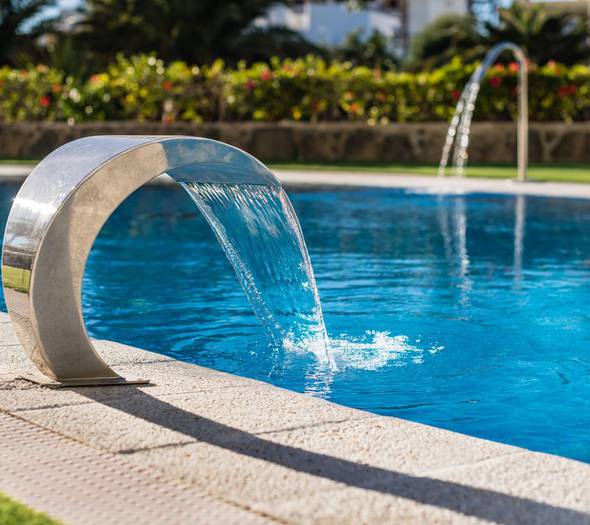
[490, 141]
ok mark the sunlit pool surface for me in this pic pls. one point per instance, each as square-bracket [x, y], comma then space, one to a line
[470, 313]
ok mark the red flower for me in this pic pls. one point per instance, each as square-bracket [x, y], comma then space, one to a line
[499, 68]
[250, 84]
[265, 75]
[456, 94]
[514, 67]
[565, 91]
[94, 79]
[495, 82]
[44, 101]
[167, 85]
[557, 70]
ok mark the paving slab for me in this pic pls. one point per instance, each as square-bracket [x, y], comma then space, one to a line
[138, 419]
[75, 483]
[336, 453]
[278, 455]
[556, 482]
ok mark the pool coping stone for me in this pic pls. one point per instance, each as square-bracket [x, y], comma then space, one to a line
[255, 452]
[401, 181]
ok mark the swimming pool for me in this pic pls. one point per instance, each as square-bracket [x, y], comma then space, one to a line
[464, 312]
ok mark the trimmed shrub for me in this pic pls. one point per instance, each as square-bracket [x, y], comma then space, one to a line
[310, 89]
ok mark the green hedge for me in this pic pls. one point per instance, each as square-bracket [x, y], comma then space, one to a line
[144, 88]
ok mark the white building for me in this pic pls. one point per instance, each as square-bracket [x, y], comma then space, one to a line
[329, 22]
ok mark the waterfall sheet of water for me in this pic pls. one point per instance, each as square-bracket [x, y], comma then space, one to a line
[262, 239]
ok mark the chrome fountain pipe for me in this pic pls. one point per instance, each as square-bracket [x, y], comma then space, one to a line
[55, 218]
[460, 126]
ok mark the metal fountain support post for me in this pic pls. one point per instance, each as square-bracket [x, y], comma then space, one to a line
[55, 219]
[460, 126]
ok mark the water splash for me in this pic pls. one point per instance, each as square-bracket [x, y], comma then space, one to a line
[261, 237]
[374, 351]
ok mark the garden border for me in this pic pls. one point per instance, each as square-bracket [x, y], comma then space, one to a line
[491, 142]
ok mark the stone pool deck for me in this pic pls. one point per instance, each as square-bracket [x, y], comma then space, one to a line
[202, 446]
[433, 184]
[424, 183]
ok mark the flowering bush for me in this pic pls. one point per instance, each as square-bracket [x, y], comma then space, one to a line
[144, 88]
[32, 94]
[310, 89]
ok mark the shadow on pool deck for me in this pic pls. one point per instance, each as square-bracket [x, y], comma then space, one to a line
[470, 501]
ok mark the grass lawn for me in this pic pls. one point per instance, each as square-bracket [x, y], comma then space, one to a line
[18, 161]
[539, 172]
[570, 172]
[13, 513]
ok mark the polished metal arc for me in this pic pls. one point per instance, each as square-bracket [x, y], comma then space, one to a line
[460, 125]
[56, 217]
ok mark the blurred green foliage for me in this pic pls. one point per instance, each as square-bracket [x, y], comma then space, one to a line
[373, 51]
[448, 36]
[544, 35]
[13, 513]
[14, 15]
[198, 31]
[203, 31]
[309, 89]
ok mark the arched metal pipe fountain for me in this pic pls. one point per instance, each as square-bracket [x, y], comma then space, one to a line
[460, 126]
[55, 218]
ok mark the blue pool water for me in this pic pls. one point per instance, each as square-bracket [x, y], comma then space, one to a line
[468, 313]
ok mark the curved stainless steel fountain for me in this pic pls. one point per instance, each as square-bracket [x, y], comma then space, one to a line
[460, 126]
[58, 213]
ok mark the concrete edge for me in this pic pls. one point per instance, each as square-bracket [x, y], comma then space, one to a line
[417, 183]
[292, 457]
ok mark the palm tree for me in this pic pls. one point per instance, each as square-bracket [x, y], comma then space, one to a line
[544, 35]
[443, 39]
[13, 17]
[372, 52]
[197, 31]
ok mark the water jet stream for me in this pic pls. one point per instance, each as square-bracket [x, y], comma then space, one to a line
[460, 125]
